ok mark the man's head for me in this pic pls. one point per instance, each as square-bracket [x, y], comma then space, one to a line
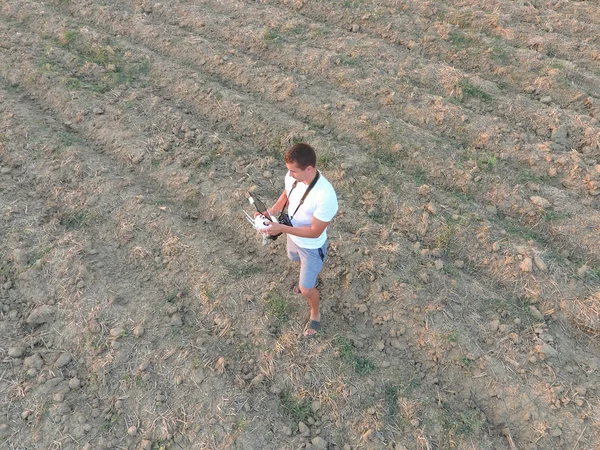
[301, 161]
[301, 155]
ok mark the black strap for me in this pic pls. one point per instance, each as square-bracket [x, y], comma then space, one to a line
[310, 186]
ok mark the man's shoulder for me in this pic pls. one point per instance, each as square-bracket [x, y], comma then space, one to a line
[324, 184]
[325, 192]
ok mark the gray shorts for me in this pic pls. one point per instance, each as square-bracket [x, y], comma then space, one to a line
[311, 262]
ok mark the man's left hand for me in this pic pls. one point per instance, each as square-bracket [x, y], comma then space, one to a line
[275, 228]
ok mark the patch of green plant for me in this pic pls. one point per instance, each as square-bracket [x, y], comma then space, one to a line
[550, 51]
[467, 363]
[74, 220]
[172, 295]
[113, 58]
[386, 158]
[346, 60]
[451, 270]
[527, 176]
[353, 3]
[419, 175]
[525, 233]
[554, 216]
[487, 162]
[498, 52]
[271, 35]
[45, 64]
[444, 238]
[463, 423]
[38, 254]
[110, 424]
[452, 336]
[390, 393]
[459, 39]
[69, 38]
[243, 270]
[376, 215]
[470, 90]
[594, 271]
[278, 306]
[324, 160]
[297, 408]
[81, 84]
[361, 365]
[6, 271]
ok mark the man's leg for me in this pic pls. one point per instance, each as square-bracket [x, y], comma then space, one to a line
[313, 298]
[311, 264]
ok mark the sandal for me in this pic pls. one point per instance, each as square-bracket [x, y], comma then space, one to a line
[313, 325]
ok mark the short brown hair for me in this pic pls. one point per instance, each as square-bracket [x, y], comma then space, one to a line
[303, 155]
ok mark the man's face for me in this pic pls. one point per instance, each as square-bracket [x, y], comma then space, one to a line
[297, 173]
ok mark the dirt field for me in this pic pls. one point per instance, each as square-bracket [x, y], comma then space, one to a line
[461, 296]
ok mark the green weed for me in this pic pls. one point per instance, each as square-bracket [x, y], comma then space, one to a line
[554, 216]
[459, 39]
[444, 238]
[171, 296]
[297, 408]
[498, 52]
[487, 162]
[38, 254]
[525, 233]
[243, 270]
[120, 69]
[271, 35]
[390, 393]
[595, 272]
[6, 271]
[325, 160]
[461, 423]
[45, 64]
[470, 90]
[353, 3]
[361, 365]
[346, 60]
[467, 363]
[74, 220]
[550, 52]
[419, 175]
[278, 306]
[527, 176]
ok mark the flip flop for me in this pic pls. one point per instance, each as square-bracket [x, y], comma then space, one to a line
[312, 325]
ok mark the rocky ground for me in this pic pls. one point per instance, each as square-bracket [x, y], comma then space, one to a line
[461, 295]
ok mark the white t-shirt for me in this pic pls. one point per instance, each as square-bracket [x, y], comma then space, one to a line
[320, 202]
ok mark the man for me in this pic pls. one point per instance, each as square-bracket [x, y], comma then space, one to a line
[310, 214]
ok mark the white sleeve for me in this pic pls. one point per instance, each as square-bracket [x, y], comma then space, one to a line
[327, 206]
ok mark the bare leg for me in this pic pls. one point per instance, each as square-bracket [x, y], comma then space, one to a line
[312, 296]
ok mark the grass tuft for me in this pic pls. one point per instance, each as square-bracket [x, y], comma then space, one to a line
[470, 90]
[297, 408]
[278, 306]
[360, 364]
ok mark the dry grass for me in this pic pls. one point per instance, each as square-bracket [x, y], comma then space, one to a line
[131, 132]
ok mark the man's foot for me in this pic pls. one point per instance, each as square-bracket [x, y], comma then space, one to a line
[312, 328]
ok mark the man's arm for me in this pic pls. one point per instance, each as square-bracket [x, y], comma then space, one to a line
[314, 231]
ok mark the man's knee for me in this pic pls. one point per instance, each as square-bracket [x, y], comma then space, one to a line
[308, 292]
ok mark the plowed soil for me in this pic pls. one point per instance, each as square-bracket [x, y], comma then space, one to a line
[461, 294]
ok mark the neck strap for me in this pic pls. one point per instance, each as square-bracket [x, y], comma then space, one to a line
[310, 186]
